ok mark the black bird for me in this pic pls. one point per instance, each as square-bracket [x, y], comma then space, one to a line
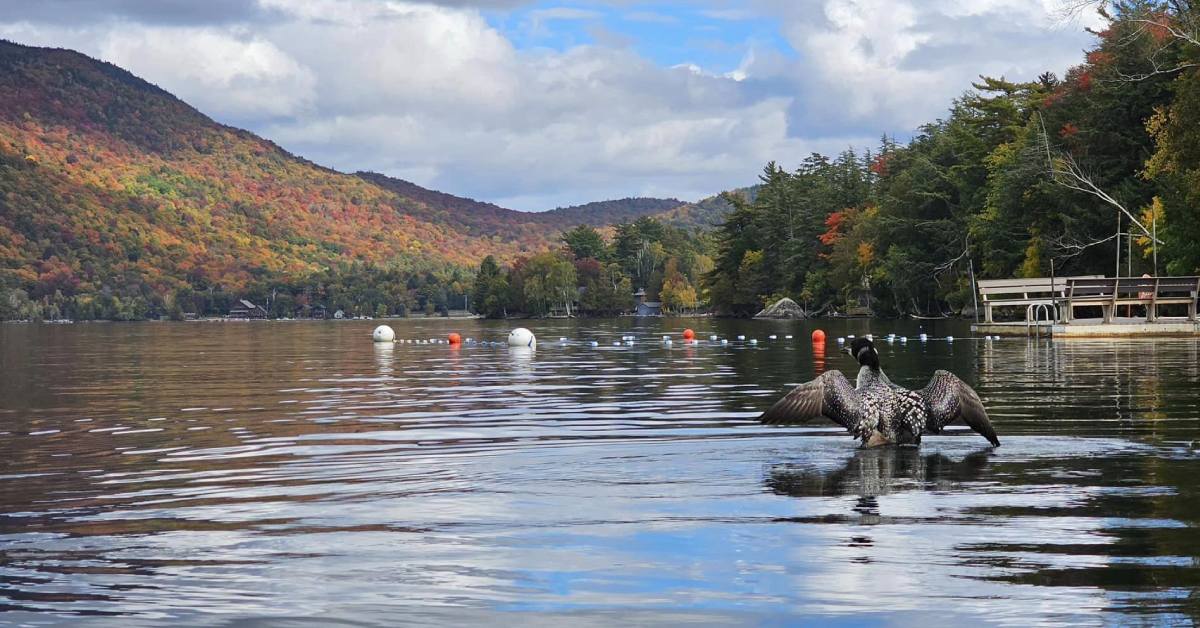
[878, 412]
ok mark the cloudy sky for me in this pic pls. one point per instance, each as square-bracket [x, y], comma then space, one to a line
[535, 104]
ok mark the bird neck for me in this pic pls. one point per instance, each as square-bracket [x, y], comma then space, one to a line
[869, 375]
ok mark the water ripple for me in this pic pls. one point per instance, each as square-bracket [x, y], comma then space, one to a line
[207, 473]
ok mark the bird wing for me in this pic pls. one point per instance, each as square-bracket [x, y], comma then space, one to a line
[948, 399]
[830, 396]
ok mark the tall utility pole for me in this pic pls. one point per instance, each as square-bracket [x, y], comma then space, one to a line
[975, 292]
[1129, 252]
[1154, 237]
[1118, 271]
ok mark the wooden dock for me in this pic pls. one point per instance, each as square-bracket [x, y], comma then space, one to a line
[1050, 306]
[1094, 328]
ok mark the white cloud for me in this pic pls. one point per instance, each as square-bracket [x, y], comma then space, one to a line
[563, 13]
[540, 20]
[219, 71]
[650, 17]
[731, 15]
[216, 71]
[897, 63]
[434, 93]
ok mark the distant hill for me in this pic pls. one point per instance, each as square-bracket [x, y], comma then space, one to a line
[703, 214]
[482, 218]
[603, 213]
[108, 182]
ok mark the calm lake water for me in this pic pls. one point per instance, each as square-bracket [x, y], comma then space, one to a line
[292, 473]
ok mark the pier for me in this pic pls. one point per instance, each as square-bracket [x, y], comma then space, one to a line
[1051, 304]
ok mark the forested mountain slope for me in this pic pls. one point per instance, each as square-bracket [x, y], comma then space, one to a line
[116, 194]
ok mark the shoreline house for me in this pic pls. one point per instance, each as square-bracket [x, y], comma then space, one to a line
[644, 307]
[246, 310]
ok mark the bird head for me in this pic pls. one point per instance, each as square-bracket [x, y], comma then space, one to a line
[863, 350]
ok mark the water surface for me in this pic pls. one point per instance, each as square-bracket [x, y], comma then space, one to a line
[292, 473]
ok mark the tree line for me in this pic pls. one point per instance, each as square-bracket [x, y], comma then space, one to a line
[1094, 172]
[596, 276]
[357, 289]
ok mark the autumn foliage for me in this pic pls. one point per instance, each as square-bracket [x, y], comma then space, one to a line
[111, 186]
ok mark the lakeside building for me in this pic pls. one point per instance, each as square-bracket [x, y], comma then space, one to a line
[246, 310]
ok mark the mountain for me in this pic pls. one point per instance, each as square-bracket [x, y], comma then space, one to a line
[601, 213]
[486, 219]
[109, 184]
[706, 213]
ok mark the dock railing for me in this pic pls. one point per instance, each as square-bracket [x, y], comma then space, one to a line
[1110, 292]
[1028, 292]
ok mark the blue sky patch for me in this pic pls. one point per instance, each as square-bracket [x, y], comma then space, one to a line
[669, 34]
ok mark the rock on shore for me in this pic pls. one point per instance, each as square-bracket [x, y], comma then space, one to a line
[783, 308]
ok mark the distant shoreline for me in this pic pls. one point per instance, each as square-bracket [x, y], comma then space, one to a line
[219, 319]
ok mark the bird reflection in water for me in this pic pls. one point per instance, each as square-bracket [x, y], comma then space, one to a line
[870, 473]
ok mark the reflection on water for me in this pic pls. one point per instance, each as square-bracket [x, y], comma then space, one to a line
[202, 474]
[870, 473]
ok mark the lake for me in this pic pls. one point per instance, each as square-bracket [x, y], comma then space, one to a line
[292, 473]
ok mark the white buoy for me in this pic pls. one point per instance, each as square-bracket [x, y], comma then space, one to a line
[841, 340]
[949, 338]
[772, 337]
[754, 341]
[903, 339]
[923, 337]
[850, 336]
[667, 342]
[616, 344]
[562, 339]
[593, 344]
[741, 337]
[521, 337]
[724, 341]
[383, 333]
[787, 337]
[713, 337]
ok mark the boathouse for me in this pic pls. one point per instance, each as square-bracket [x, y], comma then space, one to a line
[246, 309]
[644, 307]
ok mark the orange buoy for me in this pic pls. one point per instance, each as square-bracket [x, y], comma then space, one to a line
[455, 339]
[818, 336]
[688, 334]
